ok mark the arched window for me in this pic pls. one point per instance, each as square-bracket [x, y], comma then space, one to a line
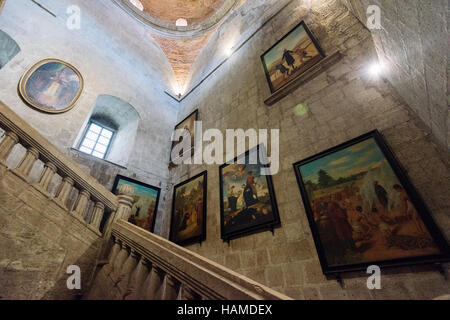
[110, 130]
[8, 48]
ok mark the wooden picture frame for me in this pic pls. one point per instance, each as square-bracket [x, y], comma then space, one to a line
[189, 122]
[363, 210]
[188, 224]
[140, 210]
[279, 61]
[242, 212]
[51, 86]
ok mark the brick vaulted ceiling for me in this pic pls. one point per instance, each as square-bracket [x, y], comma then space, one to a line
[181, 54]
[180, 44]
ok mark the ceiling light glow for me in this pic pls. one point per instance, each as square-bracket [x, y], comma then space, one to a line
[181, 22]
[375, 69]
[138, 4]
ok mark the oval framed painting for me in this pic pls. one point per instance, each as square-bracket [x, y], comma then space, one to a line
[51, 86]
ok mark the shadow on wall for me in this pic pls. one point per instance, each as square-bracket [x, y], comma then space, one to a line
[86, 263]
[8, 48]
[121, 118]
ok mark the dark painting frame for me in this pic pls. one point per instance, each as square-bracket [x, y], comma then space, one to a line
[202, 237]
[145, 185]
[195, 114]
[276, 222]
[315, 43]
[414, 196]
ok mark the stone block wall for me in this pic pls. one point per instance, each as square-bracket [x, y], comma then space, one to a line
[39, 240]
[343, 103]
[413, 45]
[116, 56]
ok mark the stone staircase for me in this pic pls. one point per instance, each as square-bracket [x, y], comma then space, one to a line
[42, 235]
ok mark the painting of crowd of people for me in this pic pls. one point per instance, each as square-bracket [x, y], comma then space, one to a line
[189, 211]
[361, 210]
[145, 202]
[246, 198]
[290, 57]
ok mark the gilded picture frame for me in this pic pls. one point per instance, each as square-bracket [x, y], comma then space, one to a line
[363, 210]
[51, 86]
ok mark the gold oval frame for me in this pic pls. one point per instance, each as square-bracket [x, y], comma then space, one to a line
[26, 76]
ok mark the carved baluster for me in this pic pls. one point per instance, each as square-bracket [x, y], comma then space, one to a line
[7, 145]
[171, 288]
[81, 204]
[46, 177]
[126, 272]
[119, 261]
[137, 280]
[107, 268]
[64, 190]
[154, 284]
[125, 202]
[97, 215]
[24, 168]
[125, 199]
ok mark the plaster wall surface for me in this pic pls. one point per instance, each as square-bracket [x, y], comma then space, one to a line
[343, 103]
[115, 56]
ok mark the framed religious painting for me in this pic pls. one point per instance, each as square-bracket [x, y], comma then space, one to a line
[188, 125]
[247, 197]
[145, 202]
[188, 223]
[51, 86]
[291, 56]
[363, 210]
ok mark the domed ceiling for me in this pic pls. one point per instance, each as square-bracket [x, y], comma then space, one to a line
[194, 11]
[180, 42]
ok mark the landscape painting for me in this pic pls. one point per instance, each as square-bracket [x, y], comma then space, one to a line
[145, 202]
[291, 56]
[248, 201]
[363, 210]
[188, 224]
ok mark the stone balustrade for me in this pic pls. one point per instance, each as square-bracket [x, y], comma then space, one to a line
[17, 131]
[140, 265]
[145, 266]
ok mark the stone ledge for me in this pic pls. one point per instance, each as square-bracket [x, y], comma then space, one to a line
[303, 78]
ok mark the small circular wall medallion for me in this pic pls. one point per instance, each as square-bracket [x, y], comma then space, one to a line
[51, 86]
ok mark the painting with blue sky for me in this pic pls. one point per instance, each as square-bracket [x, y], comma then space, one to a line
[145, 202]
[247, 197]
[361, 210]
[291, 56]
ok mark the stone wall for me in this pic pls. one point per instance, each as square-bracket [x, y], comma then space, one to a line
[115, 56]
[343, 103]
[413, 45]
[39, 240]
